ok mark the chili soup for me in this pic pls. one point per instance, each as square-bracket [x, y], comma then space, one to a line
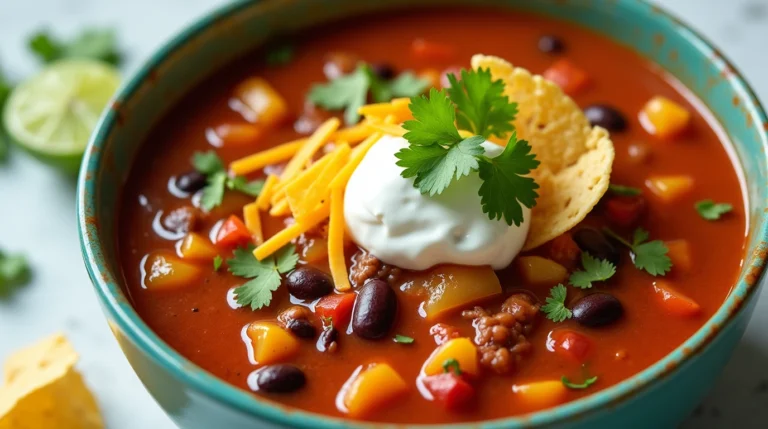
[374, 222]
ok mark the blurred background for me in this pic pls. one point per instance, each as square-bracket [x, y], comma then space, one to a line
[37, 210]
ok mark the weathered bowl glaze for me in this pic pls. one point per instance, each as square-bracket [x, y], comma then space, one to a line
[660, 396]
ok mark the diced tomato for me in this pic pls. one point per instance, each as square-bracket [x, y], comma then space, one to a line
[338, 307]
[625, 211]
[232, 232]
[565, 251]
[450, 389]
[569, 344]
[566, 75]
[675, 302]
[430, 51]
[232, 135]
[454, 70]
[679, 251]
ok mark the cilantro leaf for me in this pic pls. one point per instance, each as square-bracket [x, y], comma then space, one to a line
[650, 256]
[348, 92]
[595, 270]
[436, 166]
[265, 276]
[5, 91]
[14, 272]
[402, 339]
[578, 386]
[213, 193]
[452, 365]
[710, 210]
[240, 183]
[554, 306]
[433, 122]
[505, 188]
[626, 191]
[482, 106]
[407, 84]
[95, 43]
[217, 261]
[207, 162]
[280, 55]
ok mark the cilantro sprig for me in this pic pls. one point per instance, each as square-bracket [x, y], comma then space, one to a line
[578, 386]
[403, 339]
[265, 276]
[650, 256]
[217, 180]
[350, 91]
[438, 155]
[94, 43]
[711, 211]
[626, 191]
[14, 272]
[5, 91]
[451, 365]
[595, 270]
[554, 306]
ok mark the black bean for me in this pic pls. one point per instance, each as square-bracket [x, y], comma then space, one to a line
[383, 70]
[597, 309]
[551, 44]
[191, 182]
[302, 328]
[281, 378]
[595, 243]
[375, 310]
[603, 115]
[309, 283]
[327, 340]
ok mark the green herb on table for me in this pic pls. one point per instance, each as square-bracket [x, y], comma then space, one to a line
[554, 307]
[711, 210]
[209, 164]
[93, 43]
[280, 55]
[451, 365]
[5, 91]
[349, 92]
[626, 191]
[402, 339]
[578, 386]
[265, 276]
[14, 272]
[437, 154]
[650, 256]
[595, 270]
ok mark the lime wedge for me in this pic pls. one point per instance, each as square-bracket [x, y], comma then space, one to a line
[52, 115]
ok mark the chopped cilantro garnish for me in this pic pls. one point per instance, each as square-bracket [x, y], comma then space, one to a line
[209, 164]
[451, 365]
[650, 256]
[554, 306]
[280, 55]
[437, 154]
[626, 191]
[402, 339]
[5, 91]
[14, 272]
[95, 43]
[578, 386]
[217, 261]
[265, 276]
[711, 210]
[482, 106]
[595, 270]
[350, 91]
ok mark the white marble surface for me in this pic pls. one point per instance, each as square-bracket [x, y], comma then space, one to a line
[37, 213]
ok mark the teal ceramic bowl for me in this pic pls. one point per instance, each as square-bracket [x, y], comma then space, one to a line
[660, 396]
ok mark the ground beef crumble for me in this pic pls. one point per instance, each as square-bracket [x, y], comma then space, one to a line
[501, 337]
[181, 220]
[366, 266]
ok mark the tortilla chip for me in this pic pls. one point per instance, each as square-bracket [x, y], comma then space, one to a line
[43, 390]
[576, 158]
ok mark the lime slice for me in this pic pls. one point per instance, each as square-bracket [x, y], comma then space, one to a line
[53, 114]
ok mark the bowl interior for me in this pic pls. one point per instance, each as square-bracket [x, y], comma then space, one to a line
[240, 27]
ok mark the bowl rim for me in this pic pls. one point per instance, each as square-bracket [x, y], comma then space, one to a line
[120, 312]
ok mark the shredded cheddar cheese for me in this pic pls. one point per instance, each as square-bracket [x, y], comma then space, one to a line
[357, 155]
[263, 201]
[313, 144]
[259, 160]
[320, 188]
[277, 241]
[391, 129]
[336, 260]
[252, 219]
[398, 108]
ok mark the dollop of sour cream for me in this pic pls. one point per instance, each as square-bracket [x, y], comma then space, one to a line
[390, 218]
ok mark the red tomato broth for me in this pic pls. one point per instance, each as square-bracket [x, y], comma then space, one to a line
[198, 322]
